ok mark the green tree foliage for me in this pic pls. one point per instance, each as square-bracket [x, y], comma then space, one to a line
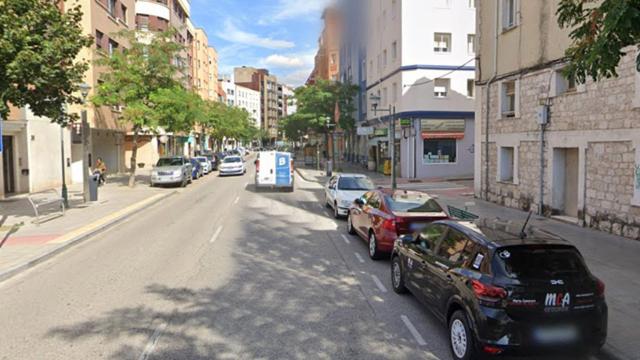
[145, 70]
[38, 49]
[599, 31]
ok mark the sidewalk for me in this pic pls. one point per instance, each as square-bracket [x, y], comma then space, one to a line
[613, 259]
[24, 243]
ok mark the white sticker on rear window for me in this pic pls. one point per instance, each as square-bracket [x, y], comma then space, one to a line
[478, 261]
[505, 254]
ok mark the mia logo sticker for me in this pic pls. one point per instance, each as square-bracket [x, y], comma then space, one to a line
[557, 301]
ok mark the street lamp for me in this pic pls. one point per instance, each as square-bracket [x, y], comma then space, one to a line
[84, 91]
[331, 153]
[375, 100]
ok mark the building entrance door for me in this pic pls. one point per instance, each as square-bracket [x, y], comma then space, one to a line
[8, 171]
[565, 181]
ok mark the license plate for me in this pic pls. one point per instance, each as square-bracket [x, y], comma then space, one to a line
[555, 334]
[417, 226]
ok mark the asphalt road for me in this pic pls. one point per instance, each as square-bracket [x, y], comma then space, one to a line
[219, 271]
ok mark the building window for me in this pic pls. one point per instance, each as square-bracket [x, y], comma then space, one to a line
[384, 58]
[143, 22]
[123, 13]
[439, 151]
[441, 88]
[508, 98]
[384, 97]
[564, 84]
[111, 7]
[443, 4]
[471, 86]
[394, 50]
[509, 14]
[471, 44]
[507, 161]
[395, 92]
[113, 47]
[99, 39]
[442, 42]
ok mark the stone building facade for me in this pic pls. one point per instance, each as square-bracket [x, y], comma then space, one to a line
[587, 168]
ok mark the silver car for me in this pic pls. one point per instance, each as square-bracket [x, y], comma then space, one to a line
[176, 170]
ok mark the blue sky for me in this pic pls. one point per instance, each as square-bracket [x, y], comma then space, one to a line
[280, 35]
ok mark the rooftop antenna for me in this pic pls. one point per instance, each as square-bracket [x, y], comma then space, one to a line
[523, 234]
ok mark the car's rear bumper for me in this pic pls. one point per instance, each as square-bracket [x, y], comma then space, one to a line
[516, 337]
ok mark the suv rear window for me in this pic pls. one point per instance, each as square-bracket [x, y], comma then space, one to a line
[539, 262]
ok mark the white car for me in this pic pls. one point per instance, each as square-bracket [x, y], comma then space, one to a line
[205, 164]
[342, 189]
[232, 165]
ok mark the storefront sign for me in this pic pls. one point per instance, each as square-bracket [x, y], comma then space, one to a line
[365, 130]
[442, 129]
[381, 132]
[405, 122]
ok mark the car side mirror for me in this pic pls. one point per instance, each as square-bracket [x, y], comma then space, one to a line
[359, 201]
[407, 239]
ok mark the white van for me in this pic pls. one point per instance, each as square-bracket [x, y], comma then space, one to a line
[274, 169]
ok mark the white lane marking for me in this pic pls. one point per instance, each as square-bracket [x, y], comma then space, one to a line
[346, 240]
[412, 329]
[359, 258]
[216, 234]
[153, 341]
[303, 206]
[236, 200]
[379, 283]
[320, 206]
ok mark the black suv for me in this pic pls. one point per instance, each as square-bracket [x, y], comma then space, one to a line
[502, 290]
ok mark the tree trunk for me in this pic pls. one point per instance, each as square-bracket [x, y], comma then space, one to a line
[134, 155]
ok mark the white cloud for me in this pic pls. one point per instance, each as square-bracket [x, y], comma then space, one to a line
[289, 9]
[282, 61]
[296, 78]
[233, 34]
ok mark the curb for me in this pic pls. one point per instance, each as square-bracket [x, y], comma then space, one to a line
[304, 177]
[7, 274]
[608, 352]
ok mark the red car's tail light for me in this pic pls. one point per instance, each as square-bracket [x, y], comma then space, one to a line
[599, 288]
[487, 294]
[389, 224]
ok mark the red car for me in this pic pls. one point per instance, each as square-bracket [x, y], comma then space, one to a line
[380, 216]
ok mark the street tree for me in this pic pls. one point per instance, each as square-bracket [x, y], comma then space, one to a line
[321, 102]
[39, 66]
[600, 31]
[148, 66]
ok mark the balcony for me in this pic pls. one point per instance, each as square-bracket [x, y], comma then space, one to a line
[152, 9]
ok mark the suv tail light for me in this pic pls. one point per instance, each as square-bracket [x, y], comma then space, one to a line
[291, 162]
[599, 288]
[257, 165]
[487, 294]
[389, 224]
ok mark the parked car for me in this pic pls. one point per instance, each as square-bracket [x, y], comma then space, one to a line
[501, 290]
[232, 165]
[172, 170]
[274, 170]
[197, 171]
[342, 189]
[213, 161]
[206, 165]
[380, 216]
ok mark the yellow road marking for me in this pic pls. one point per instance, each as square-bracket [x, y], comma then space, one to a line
[105, 220]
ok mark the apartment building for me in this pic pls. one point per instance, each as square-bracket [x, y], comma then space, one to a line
[420, 61]
[327, 59]
[545, 142]
[353, 53]
[260, 80]
[242, 97]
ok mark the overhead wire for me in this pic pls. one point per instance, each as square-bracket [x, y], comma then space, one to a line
[441, 76]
